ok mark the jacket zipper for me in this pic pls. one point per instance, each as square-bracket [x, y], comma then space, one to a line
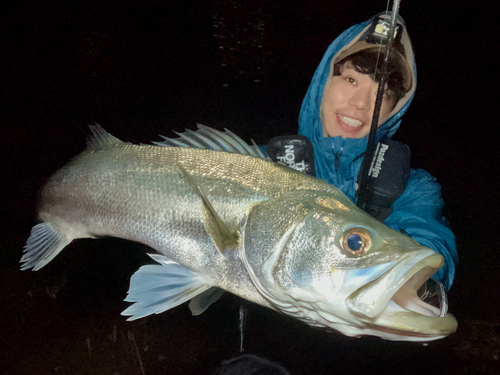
[336, 162]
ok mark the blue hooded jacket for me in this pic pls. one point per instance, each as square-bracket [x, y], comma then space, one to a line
[338, 160]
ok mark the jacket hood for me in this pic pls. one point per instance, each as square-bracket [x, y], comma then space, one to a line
[309, 119]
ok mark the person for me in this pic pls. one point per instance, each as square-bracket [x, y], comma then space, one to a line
[336, 116]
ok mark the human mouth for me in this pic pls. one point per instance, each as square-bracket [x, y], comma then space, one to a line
[350, 121]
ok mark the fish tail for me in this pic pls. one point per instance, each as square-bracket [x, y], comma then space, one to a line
[43, 244]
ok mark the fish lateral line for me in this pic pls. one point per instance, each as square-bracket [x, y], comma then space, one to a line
[278, 260]
[222, 236]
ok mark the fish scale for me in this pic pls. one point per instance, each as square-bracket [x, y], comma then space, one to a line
[225, 221]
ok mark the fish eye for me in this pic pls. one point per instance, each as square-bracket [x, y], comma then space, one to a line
[356, 241]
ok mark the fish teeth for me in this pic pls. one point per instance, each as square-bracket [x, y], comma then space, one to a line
[350, 121]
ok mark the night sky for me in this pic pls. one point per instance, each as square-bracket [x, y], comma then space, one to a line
[142, 68]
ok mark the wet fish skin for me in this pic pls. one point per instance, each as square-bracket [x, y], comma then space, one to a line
[264, 232]
[138, 193]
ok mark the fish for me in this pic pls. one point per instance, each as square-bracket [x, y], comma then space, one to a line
[220, 217]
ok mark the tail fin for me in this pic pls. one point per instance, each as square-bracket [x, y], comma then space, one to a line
[43, 244]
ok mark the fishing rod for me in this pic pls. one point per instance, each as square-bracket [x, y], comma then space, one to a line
[432, 292]
[370, 147]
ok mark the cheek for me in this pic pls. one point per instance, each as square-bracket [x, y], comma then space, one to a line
[333, 96]
[328, 102]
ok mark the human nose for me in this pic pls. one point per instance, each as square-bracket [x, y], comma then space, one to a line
[361, 98]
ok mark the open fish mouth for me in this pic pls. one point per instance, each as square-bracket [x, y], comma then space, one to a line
[434, 294]
[404, 299]
[430, 299]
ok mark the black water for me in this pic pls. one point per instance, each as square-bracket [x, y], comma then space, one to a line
[142, 68]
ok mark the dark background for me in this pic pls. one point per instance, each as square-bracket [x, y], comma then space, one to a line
[142, 68]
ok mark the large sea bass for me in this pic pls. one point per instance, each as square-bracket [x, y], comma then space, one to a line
[227, 221]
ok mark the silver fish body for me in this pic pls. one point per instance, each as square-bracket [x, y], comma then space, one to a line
[226, 221]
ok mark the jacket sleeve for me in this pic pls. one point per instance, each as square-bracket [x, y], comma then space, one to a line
[418, 211]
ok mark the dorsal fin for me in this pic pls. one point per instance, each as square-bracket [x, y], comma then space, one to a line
[100, 138]
[211, 139]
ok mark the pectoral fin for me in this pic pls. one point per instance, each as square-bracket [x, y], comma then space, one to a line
[159, 287]
[221, 235]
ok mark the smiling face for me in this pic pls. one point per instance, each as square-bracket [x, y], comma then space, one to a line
[349, 102]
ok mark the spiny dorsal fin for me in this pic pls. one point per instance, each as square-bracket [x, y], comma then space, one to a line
[100, 138]
[211, 139]
[221, 235]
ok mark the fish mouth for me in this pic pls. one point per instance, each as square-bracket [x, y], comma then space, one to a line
[430, 299]
[405, 301]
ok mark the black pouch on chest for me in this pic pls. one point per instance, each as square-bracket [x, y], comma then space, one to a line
[387, 178]
[295, 151]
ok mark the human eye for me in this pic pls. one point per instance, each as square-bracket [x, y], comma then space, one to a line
[350, 80]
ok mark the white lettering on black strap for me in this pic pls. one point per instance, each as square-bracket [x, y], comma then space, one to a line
[289, 159]
[376, 164]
